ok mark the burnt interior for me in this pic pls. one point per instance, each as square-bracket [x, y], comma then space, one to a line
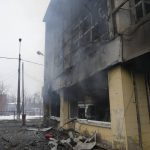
[140, 64]
[90, 99]
[55, 104]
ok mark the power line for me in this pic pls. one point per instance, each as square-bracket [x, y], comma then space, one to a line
[32, 62]
[28, 61]
[9, 58]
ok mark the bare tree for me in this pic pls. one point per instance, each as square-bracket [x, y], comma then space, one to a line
[3, 88]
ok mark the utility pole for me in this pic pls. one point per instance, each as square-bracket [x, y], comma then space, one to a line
[23, 88]
[23, 114]
[18, 92]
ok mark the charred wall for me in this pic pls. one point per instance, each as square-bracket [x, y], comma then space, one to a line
[78, 41]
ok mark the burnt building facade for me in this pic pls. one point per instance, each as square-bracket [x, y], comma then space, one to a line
[97, 58]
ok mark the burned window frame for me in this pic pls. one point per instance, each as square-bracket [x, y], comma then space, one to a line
[138, 9]
[83, 109]
[93, 107]
[91, 33]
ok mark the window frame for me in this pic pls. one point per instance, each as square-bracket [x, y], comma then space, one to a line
[134, 7]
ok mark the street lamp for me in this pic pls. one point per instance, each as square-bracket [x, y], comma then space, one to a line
[40, 53]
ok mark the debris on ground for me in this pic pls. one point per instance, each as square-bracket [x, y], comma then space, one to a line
[48, 136]
[71, 141]
[14, 136]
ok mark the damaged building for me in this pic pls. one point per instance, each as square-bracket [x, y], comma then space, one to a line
[97, 69]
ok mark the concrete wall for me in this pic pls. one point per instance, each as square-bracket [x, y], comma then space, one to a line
[104, 134]
[143, 110]
[123, 109]
[130, 112]
[122, 16]
[117, 108]
[123, 105]
[103, 56]
[64, 108]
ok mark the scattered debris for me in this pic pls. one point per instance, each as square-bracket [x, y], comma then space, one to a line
[53, 143]
[48, 136]
[72, 142]
[24, 138]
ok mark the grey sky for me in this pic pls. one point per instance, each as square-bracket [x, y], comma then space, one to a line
[22, 19]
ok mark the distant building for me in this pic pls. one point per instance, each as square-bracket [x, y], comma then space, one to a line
[97, 69]
[11, 107]
[3, 103]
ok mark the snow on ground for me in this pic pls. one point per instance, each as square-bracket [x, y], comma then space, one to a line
[11, 117]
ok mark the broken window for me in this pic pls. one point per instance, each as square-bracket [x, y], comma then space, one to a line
[55, 104]
[81, 111]
[91, 99]
[86, 111]
[95, 110]
[142, 8]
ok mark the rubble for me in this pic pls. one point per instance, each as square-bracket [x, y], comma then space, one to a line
[48, 136]
[29, 138]
[72, 141]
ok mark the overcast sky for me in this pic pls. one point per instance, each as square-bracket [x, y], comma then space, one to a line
[22, 19]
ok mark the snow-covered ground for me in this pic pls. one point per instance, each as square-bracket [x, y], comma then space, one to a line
[11, 117]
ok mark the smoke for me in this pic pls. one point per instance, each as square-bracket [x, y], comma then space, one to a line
[69, 26]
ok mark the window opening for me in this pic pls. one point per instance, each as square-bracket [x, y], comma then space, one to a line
[55, 104]
[90, 99]
[142, 8]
